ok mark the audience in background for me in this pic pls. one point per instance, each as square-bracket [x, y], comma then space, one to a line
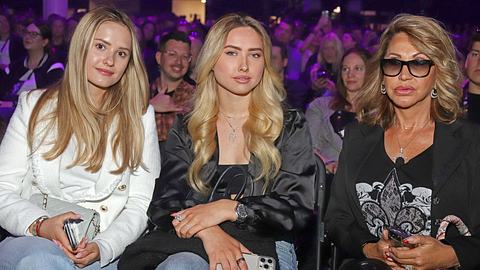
[284, 33]
[170, 93]
[38, 69]
[298, 94]
[472, 71]
[327, 116]
[11, 47]
[306, 53]
[323, 67]
[58, 43]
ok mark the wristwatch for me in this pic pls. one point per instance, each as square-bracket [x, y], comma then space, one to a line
[241, 211]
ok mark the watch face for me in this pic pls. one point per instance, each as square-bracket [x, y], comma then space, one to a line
[241, 212]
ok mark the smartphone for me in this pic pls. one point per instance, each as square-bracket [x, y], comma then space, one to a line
[397, 235]
[256, 262]
[321, 74]
[70, 228]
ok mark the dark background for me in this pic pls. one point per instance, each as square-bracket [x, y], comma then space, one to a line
[448, 11]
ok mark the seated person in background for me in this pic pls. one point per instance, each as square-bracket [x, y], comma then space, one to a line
[58, 44]
[472, 70]
[297, 92]
[170, 93]
[89, 140]
[409, 164]
[284, 33]
[239, 172]
[323, 67]
[11, 47]
[327, 116]
[37, 70]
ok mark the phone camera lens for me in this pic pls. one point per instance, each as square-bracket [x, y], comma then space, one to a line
[270, 261]
[262, 260]
[266, 266]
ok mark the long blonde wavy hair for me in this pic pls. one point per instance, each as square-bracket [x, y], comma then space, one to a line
[430, 38]
[265, 120]
[74, 113]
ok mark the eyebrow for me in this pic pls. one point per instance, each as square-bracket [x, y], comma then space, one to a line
[415, 55]
[110, 44]
[238, 48]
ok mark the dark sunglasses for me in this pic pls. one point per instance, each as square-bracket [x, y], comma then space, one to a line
[418, 68]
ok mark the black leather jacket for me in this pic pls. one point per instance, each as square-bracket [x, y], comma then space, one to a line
[283, 209]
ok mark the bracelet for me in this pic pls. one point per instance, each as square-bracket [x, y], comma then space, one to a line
[38, 223]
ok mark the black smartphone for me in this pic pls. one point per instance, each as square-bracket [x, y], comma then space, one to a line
[397, 235]
[322, 74]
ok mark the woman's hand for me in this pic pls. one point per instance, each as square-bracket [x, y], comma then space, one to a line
[85, 254]
[320, 83]
[428, 253]
[223, 249]
[380, 251]
[52, 228]
[190, 221]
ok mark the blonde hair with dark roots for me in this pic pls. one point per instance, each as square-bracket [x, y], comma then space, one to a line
[265, 120]
[74, 113]
[430, 38]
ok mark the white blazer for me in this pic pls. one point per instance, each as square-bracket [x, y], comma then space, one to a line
[122, 200]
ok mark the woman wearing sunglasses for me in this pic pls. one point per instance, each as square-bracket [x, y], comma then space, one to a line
[406, 181]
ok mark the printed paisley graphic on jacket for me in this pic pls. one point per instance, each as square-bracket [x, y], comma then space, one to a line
[390, 203]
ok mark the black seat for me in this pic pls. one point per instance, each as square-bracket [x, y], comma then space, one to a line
[320, 183]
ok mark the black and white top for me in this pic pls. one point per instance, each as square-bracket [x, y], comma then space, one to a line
[20, 78]
[398, 195]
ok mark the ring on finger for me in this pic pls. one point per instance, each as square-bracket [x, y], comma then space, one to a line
[240, 260]
[179, 218]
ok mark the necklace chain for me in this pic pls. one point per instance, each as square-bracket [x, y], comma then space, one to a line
[401, 153]
[232, 135]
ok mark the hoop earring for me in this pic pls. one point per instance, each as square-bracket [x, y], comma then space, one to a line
[434, 93]
[383, 90]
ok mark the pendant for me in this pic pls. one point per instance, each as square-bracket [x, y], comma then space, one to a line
[400, 158]
[399, 161]
[232, 136]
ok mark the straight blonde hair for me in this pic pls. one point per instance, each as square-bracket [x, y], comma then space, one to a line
[74, 114]
[265, 120]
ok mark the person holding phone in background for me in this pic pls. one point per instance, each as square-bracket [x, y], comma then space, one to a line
[411, 162]
[328, 116]
[322, 68]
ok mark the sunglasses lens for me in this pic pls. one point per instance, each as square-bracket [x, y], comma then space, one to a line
[391, 67]
[419, 68]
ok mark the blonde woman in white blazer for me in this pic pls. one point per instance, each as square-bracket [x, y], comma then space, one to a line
[89, 140]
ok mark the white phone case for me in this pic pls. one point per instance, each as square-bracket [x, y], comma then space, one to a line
[256, 262]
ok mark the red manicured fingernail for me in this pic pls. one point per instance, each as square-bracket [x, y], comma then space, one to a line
[405, 241]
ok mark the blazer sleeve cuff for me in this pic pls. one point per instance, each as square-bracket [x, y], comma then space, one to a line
[106, 252]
